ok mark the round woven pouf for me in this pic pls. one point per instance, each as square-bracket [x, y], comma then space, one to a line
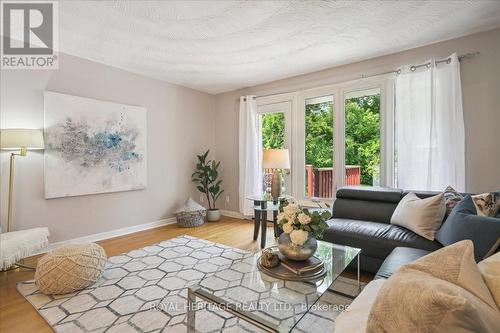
[70, 268]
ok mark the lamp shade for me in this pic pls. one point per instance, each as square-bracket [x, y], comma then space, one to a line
[17, 138]
[275, 159]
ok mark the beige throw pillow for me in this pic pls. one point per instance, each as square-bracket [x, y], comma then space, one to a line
[422, 216]
[441, 292]
[456, 264]
[414, 302]
[490, 270]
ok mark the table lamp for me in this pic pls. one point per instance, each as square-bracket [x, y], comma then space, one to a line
[22, 140]
[276, 159]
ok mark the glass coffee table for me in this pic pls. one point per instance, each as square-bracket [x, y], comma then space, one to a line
[270, 304]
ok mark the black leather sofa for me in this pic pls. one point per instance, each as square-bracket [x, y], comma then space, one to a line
[361, 218]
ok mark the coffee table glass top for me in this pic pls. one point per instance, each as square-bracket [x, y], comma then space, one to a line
[272, 302]
[268, 207]
[267, 198]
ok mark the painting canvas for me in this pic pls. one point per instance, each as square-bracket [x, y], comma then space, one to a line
[93, 146]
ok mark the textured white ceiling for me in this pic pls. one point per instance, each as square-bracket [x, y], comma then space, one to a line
[217, 46]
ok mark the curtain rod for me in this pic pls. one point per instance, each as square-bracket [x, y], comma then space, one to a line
[427, 64]
[461, 57]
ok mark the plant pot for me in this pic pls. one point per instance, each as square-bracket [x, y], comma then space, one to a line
[213, 215]
[297, 252]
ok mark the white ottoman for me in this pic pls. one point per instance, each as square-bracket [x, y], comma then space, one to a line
[17, 245]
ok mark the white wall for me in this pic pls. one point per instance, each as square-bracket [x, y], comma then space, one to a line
[180, 125]
[481, 96]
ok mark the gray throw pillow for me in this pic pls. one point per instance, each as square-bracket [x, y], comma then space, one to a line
[422, 216]
[464, 223]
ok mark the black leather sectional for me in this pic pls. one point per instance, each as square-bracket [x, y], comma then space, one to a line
[361, 218]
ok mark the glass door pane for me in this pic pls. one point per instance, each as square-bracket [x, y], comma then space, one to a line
[273, 130]
[319, 176]
[362, 137]
[273, 125]
[273, 137]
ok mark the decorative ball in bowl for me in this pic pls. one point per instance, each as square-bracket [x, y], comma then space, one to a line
[301, 228]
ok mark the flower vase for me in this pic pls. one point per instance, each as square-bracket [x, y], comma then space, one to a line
[297, 252]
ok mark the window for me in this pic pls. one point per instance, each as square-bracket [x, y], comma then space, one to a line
[342, 135]
[362, 137]
[319, 147]
[274, 129]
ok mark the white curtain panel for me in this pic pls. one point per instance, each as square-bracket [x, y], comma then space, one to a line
[250, 154]
[429, 127]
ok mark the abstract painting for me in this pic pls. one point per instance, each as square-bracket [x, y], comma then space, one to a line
[93, 146]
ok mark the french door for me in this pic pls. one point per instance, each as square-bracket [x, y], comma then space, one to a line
[337, 135]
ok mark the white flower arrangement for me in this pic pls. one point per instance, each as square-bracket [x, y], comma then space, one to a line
[300, 223]
[298, 237]
[287, 228]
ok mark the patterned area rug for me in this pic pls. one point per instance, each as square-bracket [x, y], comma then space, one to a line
[127, 296]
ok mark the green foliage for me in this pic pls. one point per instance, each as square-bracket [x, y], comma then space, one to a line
[273, 130]
[206, 177]
[362, 134]
[318, 224]
[319, 135]
[315, 227]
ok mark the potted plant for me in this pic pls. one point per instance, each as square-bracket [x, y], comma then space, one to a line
[206, 177]
[301, 227]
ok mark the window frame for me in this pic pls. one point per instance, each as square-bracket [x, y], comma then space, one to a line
[286, 108]
[300, 154]
[386, 87]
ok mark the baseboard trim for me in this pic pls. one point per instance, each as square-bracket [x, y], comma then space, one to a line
[110, 234]
[233, 214]
[129, 230]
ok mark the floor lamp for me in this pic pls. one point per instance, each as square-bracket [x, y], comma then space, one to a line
[21, 140]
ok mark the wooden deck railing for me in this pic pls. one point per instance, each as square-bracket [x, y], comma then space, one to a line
[320, 180]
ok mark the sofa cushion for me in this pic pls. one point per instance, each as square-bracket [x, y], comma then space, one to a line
[422, 216]
[463, 223]
[374, 239]
[399, 257]
[355, 317]
[441, 292]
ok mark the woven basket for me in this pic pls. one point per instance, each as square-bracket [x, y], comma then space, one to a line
[191, 219]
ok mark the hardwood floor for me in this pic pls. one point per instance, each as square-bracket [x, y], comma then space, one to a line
[18, 316]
